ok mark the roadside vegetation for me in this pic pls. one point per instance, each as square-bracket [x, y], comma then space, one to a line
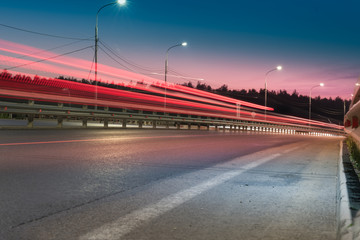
[354, 153]
[4, 116]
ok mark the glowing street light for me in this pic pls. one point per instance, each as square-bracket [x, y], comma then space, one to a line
[278, 68]
[120, 2]
[318, 85]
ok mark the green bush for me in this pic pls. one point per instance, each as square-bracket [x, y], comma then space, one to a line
[354, 152]
[4, 115]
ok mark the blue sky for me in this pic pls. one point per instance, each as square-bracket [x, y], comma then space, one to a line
[230, 42]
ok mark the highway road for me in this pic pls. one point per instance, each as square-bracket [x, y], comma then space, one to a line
[166, 184]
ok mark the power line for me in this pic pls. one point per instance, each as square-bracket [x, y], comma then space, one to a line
[134, 65]
[50, 49]
[126, 60]
[42, 60]
[43, 34]
[115, 60]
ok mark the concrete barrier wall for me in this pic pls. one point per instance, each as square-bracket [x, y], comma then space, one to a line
[351, 120]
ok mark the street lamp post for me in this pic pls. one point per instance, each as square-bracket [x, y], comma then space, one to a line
[344, 108]
[266, 75]
[120, 2]
[166, 66]
[167, 54]
[318, 85]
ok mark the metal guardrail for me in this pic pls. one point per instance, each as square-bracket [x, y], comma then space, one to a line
[32, 111]
[142, 104]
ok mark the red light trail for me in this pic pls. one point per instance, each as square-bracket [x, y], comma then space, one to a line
[147, 94]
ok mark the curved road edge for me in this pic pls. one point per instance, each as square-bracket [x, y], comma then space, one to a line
[348, 225]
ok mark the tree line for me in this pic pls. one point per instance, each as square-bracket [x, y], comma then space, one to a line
[322, 109]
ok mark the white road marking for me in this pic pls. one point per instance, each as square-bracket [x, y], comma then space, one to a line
[124, 225]
[294, 148]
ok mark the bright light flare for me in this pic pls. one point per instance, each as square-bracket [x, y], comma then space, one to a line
[121, 2]
[279, 67]
[322, 84]
[184, 44]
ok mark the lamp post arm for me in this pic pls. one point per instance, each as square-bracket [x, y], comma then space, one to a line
[270, 71]
[97, 18]
[166, 59]
[102, 8]
[310, 101]
[177, 45]
[266, 75]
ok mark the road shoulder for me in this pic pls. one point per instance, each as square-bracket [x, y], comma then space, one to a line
[348, 198]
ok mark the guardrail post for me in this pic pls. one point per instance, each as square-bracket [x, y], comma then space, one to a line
[224, 128]
[199, 127]
[189, 125]
[140, 123]
[208, 127]
[167, 124]
[60, 120]
[178, 126]
[216, 128]
[84, 123]
[231, 128]
[30, 122]
[106, 123]
[124, 123]
[154, 124]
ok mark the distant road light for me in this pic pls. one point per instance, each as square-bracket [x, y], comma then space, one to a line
[167, 54]
[166, 67]
[318, 85]
[277, 68]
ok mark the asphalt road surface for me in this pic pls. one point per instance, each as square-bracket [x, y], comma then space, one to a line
[166, 184]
